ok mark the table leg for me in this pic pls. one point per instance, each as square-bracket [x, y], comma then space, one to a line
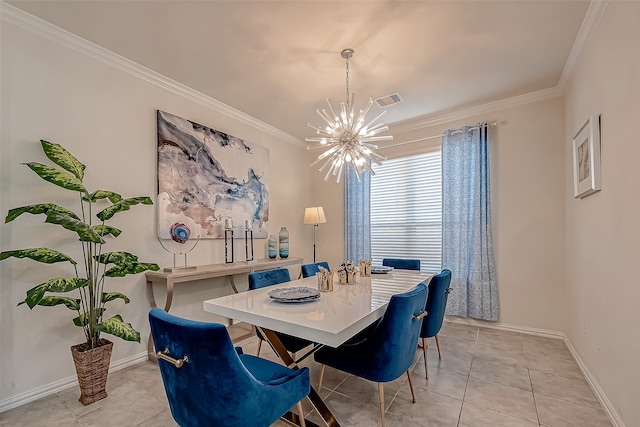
[151, 354]
[233, 283]
[313, 397]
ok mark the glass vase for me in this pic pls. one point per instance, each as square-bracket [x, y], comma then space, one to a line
[284, 242]
[272, 247]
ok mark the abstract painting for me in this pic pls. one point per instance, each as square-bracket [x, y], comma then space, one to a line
[206, 177]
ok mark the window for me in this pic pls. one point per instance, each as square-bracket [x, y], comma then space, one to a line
[406, 210]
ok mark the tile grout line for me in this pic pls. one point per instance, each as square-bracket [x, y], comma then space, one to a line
[535, 403]
[466, 386]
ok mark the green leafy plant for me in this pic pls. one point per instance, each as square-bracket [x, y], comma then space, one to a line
[98, 265]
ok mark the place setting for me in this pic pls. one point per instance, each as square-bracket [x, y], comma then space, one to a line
[298, 294]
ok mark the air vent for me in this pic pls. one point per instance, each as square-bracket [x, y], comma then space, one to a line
[385, 101]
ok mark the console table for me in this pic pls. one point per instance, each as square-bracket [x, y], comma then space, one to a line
[189, 274]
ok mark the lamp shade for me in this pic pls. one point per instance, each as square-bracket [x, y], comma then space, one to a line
[314, 215]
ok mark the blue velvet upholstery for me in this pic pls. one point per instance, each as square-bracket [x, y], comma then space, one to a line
[436, 305]
[402, 263]
[219, 385]
[262, 279]
[386, 351]
[309, 270]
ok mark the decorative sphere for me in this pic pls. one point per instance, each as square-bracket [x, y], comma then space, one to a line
[180, 232]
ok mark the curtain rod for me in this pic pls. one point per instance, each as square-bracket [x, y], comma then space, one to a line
[434, 136]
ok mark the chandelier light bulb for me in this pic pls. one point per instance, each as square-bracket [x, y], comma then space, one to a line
[347, 138]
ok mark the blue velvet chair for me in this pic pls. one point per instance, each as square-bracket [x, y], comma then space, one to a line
[439, 291]
[402, 263]
[386, 351]
[209, 383]
[309, 270]
[262, 279]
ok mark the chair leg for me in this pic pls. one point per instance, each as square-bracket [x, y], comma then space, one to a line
[321, 377]
[413, 395]
[381, 391]
[301, 413]
[259, 345]
[424, 352]
[438, 344]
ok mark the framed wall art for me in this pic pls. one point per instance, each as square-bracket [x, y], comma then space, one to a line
[208, 180]
[586, 159]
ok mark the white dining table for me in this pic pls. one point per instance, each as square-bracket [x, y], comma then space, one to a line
[329, 320]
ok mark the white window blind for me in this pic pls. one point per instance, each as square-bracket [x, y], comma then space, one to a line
[406, 210]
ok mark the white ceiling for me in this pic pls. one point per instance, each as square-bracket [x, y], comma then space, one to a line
[278, 60]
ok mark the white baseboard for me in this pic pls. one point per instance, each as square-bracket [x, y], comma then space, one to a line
[61, 385]
[595, 386]
[593, 383]
[504, 327]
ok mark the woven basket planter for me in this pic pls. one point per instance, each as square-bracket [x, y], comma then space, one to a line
[92, 368]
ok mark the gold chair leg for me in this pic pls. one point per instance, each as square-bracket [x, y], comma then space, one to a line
[438, 344]
[293, 355]
[413, 395]
[381, 391]
[259, 345]
[301, 412]
[424, 352]
[321, 377]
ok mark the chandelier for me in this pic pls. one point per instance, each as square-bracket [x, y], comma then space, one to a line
[348, 139]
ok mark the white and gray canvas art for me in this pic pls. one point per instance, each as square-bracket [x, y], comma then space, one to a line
[206, 176]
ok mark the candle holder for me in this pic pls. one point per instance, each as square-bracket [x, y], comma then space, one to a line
[248, 241]
[228, 242]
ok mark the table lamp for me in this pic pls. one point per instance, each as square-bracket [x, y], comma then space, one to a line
[314, 216]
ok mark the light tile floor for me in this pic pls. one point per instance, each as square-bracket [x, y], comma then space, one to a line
[486, 378]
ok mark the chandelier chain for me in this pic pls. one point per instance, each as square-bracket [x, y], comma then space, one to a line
[347, 81]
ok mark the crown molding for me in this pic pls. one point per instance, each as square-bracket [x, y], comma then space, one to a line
[587, 29]
[490, 107]
[46, 29]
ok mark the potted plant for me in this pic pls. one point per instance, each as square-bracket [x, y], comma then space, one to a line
[88, 280]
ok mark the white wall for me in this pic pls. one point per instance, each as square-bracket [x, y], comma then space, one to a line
[527, 174]
[603, 230]
[107, 118]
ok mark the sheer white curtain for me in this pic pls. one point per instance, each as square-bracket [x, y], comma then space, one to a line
[467, 246]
